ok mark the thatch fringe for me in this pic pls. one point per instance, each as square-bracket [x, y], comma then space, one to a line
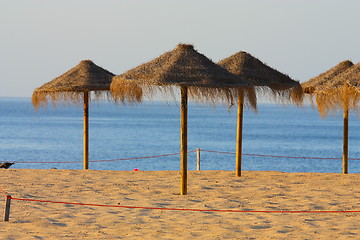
[329, 102]
[43, 98]
[135, 92]
[287, 95]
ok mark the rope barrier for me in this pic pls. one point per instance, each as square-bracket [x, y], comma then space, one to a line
[8, 197]
[275, 156]
[164, 155]
[172, 154]
[190, 209]
[110, 160]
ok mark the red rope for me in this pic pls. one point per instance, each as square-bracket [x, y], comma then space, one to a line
[46, 162]
[217, 151]
[189, 209]
[172, 154]
[274, 156]
[164, 155]
[111, 160]
[181, 209]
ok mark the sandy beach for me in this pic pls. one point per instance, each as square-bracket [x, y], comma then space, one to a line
[220, 190]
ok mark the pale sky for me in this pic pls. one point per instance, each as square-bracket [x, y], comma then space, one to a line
[42, 39]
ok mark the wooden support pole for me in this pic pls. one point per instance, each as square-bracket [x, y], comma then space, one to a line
[86, 130]
[198, 159]
[7, 208]
[345, 165]
[239, 134]
[183, 141]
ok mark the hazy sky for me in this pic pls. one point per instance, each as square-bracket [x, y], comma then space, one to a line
[41, 39]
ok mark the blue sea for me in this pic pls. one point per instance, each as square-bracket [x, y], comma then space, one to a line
[152, 128]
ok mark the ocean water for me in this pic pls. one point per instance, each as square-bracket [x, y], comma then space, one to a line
[152, 128]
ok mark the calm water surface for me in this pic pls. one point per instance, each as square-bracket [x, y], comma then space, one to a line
[152, 128]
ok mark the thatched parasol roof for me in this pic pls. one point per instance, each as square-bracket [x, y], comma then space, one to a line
[264, 77]
[337, 88]
[321, 81]
[350, 77]
[183, 66]
[84, 77]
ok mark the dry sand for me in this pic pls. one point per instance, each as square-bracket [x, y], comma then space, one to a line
[207, 190]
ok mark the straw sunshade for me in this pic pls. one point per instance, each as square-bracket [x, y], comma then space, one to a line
[337, 89]
[74, 86]
[193, 73]
[181, 67]
[266, 79]
[327, 86]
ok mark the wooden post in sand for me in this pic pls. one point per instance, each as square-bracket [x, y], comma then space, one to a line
[239, 134]
[198, 159]
[183, 141]
[345, 141]
[7, 208]
[86, 130]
